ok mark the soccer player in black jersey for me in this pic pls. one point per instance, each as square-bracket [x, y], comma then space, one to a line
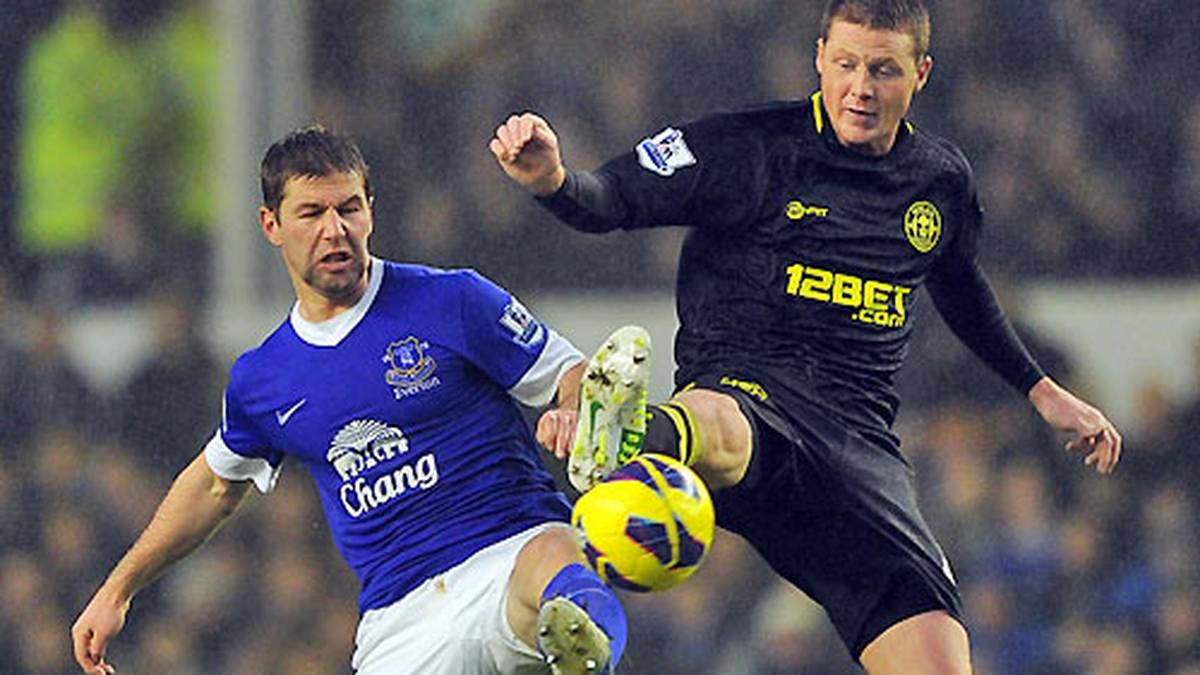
[814, 227]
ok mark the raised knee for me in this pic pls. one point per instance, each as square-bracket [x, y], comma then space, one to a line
[932, 643]
[725, 437]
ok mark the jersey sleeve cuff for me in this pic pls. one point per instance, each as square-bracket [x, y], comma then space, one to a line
[1031, 376]
[586, 202]
[231, 466]
[539, 384]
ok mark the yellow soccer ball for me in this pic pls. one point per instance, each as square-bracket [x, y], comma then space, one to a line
[648, 526]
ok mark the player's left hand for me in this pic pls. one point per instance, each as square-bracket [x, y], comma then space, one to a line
[1090, 430]
[556, 430]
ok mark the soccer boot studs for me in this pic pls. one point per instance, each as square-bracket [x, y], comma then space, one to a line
[570, 640]
[612, 407]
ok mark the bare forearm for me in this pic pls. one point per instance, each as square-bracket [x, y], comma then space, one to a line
[556, 427]
[568, 386]
[1042, 392]
[195, 507]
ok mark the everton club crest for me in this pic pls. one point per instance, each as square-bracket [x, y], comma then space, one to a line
[411, 368]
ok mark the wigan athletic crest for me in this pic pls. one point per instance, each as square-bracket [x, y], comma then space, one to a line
[411, 367]
[923, 226]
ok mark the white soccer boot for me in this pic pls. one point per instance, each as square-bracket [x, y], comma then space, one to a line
[612, 407]
[570, 640]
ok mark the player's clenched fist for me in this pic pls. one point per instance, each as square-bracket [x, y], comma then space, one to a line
[527, 149]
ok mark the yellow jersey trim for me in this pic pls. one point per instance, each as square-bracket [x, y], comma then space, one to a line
[685, 427]
[818, 114]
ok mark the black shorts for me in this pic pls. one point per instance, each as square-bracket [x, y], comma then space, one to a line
[833, 514]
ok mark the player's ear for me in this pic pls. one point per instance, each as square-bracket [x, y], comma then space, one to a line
[820, 54]
[269, 224]
[923, 70]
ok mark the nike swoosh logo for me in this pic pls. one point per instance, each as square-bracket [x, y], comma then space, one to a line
[283, 417]
[597, 406]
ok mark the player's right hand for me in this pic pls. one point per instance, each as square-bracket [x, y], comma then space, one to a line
[99, 622]
[556, 430]
[527, 149]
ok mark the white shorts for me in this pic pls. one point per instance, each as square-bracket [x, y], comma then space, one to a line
[453, 623]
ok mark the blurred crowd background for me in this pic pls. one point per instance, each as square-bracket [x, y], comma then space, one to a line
[1083, 125]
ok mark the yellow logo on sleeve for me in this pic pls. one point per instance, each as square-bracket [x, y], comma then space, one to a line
[923, 226]
[753, 388]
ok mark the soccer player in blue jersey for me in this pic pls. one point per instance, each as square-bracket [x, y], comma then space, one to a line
[814, 226]
[396, 387]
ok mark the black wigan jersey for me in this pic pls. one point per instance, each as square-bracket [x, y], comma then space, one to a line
[804, 259]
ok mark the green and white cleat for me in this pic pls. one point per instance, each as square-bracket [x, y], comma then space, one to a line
[612, 407]
[570, 640]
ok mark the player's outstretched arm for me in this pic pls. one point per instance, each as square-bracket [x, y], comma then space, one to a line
[197, 504]
[556, 426]
[527, 149]
[1090, 430]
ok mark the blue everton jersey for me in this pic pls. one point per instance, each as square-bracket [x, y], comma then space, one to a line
[403, 409]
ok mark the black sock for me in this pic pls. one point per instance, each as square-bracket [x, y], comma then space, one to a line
[671, 431]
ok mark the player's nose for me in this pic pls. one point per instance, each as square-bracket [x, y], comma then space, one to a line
[333, 226]
[860, 85]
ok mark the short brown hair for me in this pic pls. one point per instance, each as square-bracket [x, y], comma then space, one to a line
[909, 16]
[311, 151]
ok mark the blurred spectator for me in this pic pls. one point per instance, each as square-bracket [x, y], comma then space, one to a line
[1185, 190]
[1186, 421]
[1025, 554]
[1082, 578]
[71, 139]
[1176, 628]
[791, 637]
[12, 365]
[116, 146]
[47, 389]
[171, 405]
